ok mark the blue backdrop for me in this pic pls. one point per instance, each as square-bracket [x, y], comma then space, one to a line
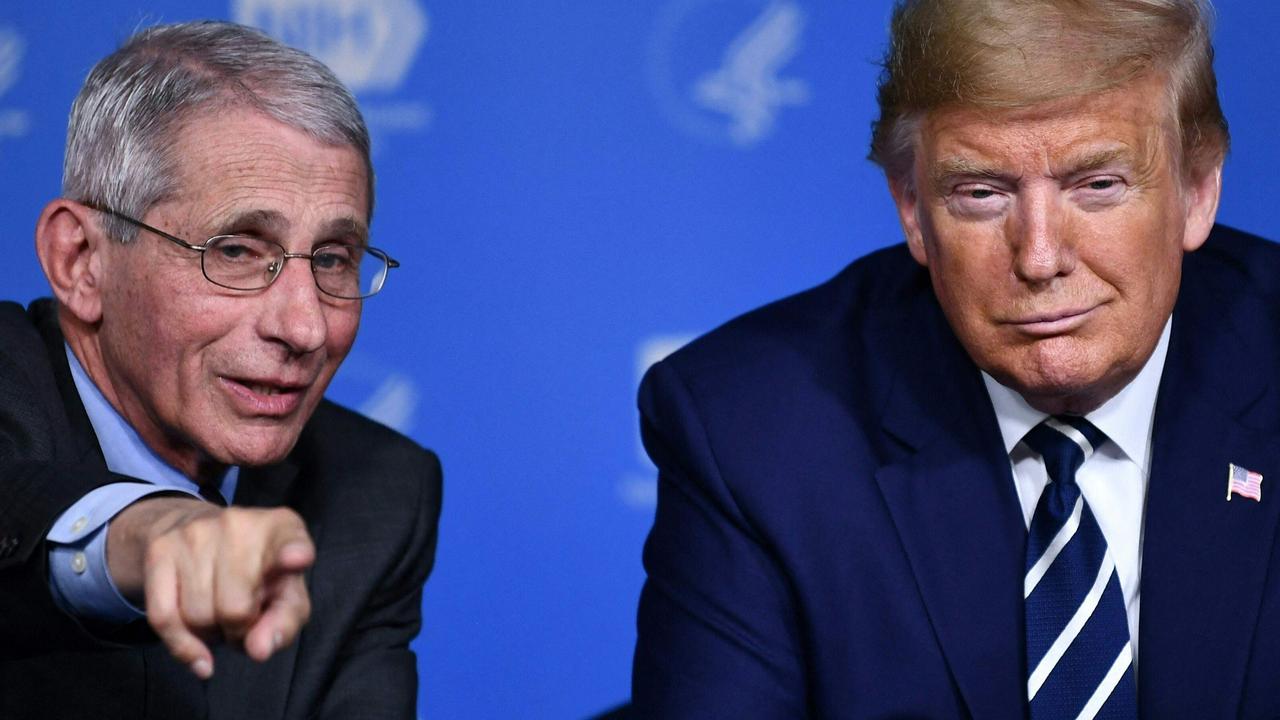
[574, 188]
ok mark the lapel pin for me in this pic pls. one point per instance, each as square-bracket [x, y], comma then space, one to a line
[1243, 482]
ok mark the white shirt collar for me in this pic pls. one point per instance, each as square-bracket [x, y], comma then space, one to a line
[1126, 418]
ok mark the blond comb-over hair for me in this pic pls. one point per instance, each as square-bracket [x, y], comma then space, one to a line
[1018, 53]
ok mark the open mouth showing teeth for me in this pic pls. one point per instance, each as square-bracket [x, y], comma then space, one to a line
[257, 398]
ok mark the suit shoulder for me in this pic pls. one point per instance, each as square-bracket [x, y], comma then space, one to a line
[19, 337]
[1246, 262]
[870, 292]
[826, 355]
[337, 437]
[29, 395]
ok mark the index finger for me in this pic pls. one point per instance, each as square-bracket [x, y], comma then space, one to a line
[289, 548]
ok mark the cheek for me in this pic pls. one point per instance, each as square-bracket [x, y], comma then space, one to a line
[1141, 258]
[341, 325]
[134, 318]
[969, 274]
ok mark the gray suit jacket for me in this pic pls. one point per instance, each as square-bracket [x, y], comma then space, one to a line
[370, 498]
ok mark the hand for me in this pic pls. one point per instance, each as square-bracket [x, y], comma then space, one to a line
[204, 572]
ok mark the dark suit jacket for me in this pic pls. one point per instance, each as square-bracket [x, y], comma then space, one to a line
[370, 498]
[838, 534]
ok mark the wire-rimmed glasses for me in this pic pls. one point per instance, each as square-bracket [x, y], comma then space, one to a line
[246, 262]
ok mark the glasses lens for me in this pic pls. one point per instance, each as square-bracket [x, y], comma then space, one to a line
[241, 262]
[349, 271]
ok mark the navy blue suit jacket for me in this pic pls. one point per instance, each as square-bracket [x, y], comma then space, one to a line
[838, 534]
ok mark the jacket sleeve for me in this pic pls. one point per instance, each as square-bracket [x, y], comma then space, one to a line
[39, 479]
[716, 631]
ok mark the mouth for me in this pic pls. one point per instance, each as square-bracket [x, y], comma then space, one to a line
[264, 397]
[1054, 322]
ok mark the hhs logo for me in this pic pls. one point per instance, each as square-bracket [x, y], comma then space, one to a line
[717, 68]
[369, 44]
[12, 47]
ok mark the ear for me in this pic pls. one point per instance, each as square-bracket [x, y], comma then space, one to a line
[1203, 190]
[70, 247]
[905, 197]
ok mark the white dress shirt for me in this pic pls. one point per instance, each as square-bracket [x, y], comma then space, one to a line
[1113, 480]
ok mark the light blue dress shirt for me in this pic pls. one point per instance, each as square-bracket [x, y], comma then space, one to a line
[78, 540]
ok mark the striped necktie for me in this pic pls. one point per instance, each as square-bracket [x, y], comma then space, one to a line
[1079, 661]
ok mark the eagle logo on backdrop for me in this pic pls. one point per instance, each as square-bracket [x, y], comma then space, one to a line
[717, 67]
[14, 123]
[371, 45]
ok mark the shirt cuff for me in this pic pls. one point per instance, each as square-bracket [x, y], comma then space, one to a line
[78, 574]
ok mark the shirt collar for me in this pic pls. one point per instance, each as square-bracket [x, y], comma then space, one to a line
[123, 448]
[1126, 418]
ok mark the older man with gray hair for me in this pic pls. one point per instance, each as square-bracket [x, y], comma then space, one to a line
[944, 483]
[177, 499]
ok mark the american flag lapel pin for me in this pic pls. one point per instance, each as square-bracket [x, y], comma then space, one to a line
[1243, 482]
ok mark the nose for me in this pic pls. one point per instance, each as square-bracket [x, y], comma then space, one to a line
[294, 315]
[1041, 248]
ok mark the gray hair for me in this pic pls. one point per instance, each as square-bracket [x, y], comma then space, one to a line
[127, 116]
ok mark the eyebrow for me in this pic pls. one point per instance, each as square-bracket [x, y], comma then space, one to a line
[1097, 160]
[949, 169]
[269, 220]
[348, 227]
[960, 167]
[275, 222]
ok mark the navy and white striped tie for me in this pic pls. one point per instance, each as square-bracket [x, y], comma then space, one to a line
[1079, 660]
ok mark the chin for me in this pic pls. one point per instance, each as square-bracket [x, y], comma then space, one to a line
[253, 449]
[1055, 382]
[1064, 393]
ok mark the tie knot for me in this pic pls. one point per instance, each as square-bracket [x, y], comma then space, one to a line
[1065, 442]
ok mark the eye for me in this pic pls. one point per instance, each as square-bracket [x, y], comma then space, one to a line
[1103, 184]
[1102, 191]
[977, 201]
[335, 258]
[236, 249]
[975, 191]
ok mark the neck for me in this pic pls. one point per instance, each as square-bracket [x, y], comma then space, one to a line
[84, 343]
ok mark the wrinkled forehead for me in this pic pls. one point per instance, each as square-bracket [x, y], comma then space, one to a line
[228, 138]
[249, 165]
[1136, 120]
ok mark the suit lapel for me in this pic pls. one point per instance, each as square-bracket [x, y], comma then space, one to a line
[1205, 559]
[955, 508]
[82, 441]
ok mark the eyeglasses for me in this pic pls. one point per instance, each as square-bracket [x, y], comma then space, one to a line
[245, 262]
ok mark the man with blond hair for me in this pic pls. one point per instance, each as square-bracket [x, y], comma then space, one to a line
[944, 483]
[187, 528]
